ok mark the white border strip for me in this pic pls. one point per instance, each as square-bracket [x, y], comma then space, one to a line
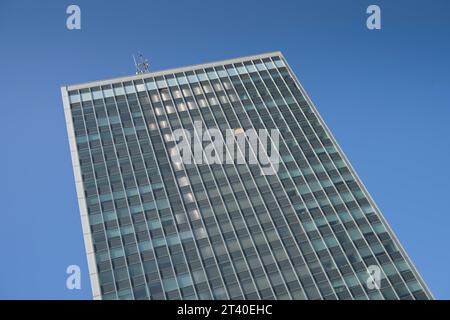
[88, 243]
[170, 71]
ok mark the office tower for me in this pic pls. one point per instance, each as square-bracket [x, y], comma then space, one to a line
[157, 226]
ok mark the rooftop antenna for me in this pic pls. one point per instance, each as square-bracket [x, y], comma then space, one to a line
[141, 64]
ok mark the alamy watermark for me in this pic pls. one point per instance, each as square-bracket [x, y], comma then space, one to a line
[373, 22]
[73, 281]
[73, 21]
[238, 146]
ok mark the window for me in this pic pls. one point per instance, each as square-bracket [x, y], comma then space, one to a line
[151, 85]
[170, 284]
[181, 106]
[170, 109]
[183, 181]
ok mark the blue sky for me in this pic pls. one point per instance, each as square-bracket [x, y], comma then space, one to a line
[385, 95]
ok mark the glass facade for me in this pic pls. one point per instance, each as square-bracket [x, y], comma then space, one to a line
[159, 229]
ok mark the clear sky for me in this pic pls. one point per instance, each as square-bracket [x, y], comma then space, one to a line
[385, 94]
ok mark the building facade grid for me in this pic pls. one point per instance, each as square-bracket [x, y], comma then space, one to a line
[155, 229]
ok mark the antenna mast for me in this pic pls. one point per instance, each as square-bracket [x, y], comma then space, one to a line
[141, 63]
